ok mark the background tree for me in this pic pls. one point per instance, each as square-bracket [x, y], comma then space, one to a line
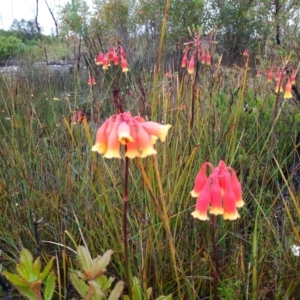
[25, 30]
[251, 25]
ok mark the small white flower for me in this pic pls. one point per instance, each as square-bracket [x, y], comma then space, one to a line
[296, 250]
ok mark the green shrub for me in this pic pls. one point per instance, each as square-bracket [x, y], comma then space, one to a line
[10, 46]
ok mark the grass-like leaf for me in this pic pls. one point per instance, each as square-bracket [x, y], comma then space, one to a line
[117, 291]
[50, 286]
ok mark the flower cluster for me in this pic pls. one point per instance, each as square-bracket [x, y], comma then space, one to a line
[197, 49]
[220, 193]
[203, 55]
[281, 77]
[137, 135]
[116, 55]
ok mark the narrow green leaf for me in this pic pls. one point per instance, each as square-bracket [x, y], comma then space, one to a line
[95, 291]
[104, 282]
[149, 292]
[117, 291]
[23, 272]
[80, 286]
[71, 238]
[47, 269]
[84, 257]
[136, 289]
[37, 267]
[50, 286]
[26, 260]
[169, 297]
[101, 262]
[27, 292]
[14, 279]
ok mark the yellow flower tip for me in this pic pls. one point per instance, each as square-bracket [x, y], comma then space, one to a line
[194, 194]
[197, 215]
[153, 139]
[156, 129]
[288, 95]
[112, 154]
[231, 216]
[132, 154]
[217, 210]
[101, 149]
[240, 203]
[163, 132]
[147, 152]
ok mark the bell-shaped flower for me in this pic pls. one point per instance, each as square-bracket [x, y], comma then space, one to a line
[101, 136]
[99, 60]
[184, 59]
[145, 145]
[293, 77]
[278, 75]
[200, 181]
[116, 59]
[270, 76]
[91, 80]
[237, 189]
[156, 129]
[124, 64]
[124, 133]
[113, 143]
[278, 87]
[191, 65]
[229, 202]
[208, 58]
[111, 53]
[216, 206]
[203, 201]
[105, 62]
[288, 90]
[132, 148]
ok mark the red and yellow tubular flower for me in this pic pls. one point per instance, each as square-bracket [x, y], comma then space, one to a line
[191, 65]
[288, 90]
[184, 59]
[99, 60]
[124, 64]
[270, 76]
[208, 58]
